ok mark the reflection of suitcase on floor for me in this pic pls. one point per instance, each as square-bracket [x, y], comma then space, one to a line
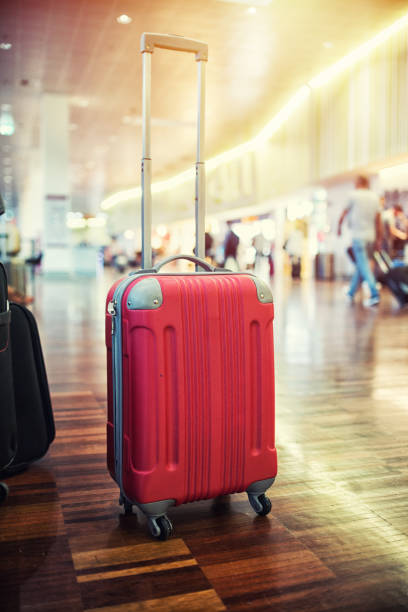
[190, 371]
[393, 277]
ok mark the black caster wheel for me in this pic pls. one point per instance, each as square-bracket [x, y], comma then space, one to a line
[4, 490]
[260, 503]
[161, 527]
[127, 506]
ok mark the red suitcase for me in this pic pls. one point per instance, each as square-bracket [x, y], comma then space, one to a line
[190, 367]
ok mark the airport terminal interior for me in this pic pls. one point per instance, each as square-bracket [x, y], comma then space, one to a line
[302, 217]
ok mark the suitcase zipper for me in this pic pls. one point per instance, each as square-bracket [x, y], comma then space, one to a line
[112, 311]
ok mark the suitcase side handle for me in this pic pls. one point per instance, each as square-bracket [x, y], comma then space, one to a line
[175, 43]
[196, 260]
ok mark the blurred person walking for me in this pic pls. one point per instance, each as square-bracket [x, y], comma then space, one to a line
[231, 244]
[398, 231]
[364, 220]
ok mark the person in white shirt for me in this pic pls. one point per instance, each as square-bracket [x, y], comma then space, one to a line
[363, 212]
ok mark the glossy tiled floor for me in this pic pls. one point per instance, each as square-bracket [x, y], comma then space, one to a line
[337, 536]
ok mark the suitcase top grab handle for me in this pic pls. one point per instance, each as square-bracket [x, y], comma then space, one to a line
[175, 43]
[199, 262]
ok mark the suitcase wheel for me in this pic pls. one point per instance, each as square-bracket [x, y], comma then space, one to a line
[160, 527]
[260, 503]
[127, 506]
[3, 491]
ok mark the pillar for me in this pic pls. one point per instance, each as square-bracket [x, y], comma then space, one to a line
[56, 201]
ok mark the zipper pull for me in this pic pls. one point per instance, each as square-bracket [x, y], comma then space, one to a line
[112, 311]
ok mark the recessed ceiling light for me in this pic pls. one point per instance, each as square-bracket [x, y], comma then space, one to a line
[5, 46]
[124, 19]
[251, 10]
[79, 101]
[327, 44]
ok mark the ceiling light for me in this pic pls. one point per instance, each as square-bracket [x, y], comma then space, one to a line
[124, 19]
[327, 44]
[79, 101]
[95, 222]
[251, 10]
[8, 179]
[7, 126]
[6, 46]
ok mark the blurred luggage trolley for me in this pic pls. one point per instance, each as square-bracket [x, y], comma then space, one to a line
[190, 364]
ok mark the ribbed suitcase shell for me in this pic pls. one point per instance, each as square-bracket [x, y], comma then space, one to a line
[197, 387]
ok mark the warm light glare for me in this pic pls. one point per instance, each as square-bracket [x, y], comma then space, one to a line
[251, 10]
[96, 222]
[124, 19]
[394, 177]
[358, 54]
[272, 126]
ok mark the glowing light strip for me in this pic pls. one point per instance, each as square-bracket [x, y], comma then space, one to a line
[358, 54]
[272, 126]
[278, 120]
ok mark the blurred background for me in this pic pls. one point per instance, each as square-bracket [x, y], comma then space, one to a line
[301, 96]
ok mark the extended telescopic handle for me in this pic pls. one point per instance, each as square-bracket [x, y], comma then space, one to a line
[176, 43]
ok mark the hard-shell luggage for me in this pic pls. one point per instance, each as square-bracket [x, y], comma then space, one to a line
[190, 365]
[393, 277]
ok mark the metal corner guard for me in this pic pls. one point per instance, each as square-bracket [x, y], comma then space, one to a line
[145, 295]
[263, 290]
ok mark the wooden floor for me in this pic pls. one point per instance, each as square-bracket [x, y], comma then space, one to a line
[337, 536]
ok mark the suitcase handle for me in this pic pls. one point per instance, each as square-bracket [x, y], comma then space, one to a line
[198, 262]
[166, 41]
[175, 43]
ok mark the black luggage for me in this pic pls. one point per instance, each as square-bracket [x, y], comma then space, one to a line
[395, 278]
[27, 427]
[8, 425]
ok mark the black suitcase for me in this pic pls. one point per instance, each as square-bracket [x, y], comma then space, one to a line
[24, 377]
[8, 425]
[396, 279]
